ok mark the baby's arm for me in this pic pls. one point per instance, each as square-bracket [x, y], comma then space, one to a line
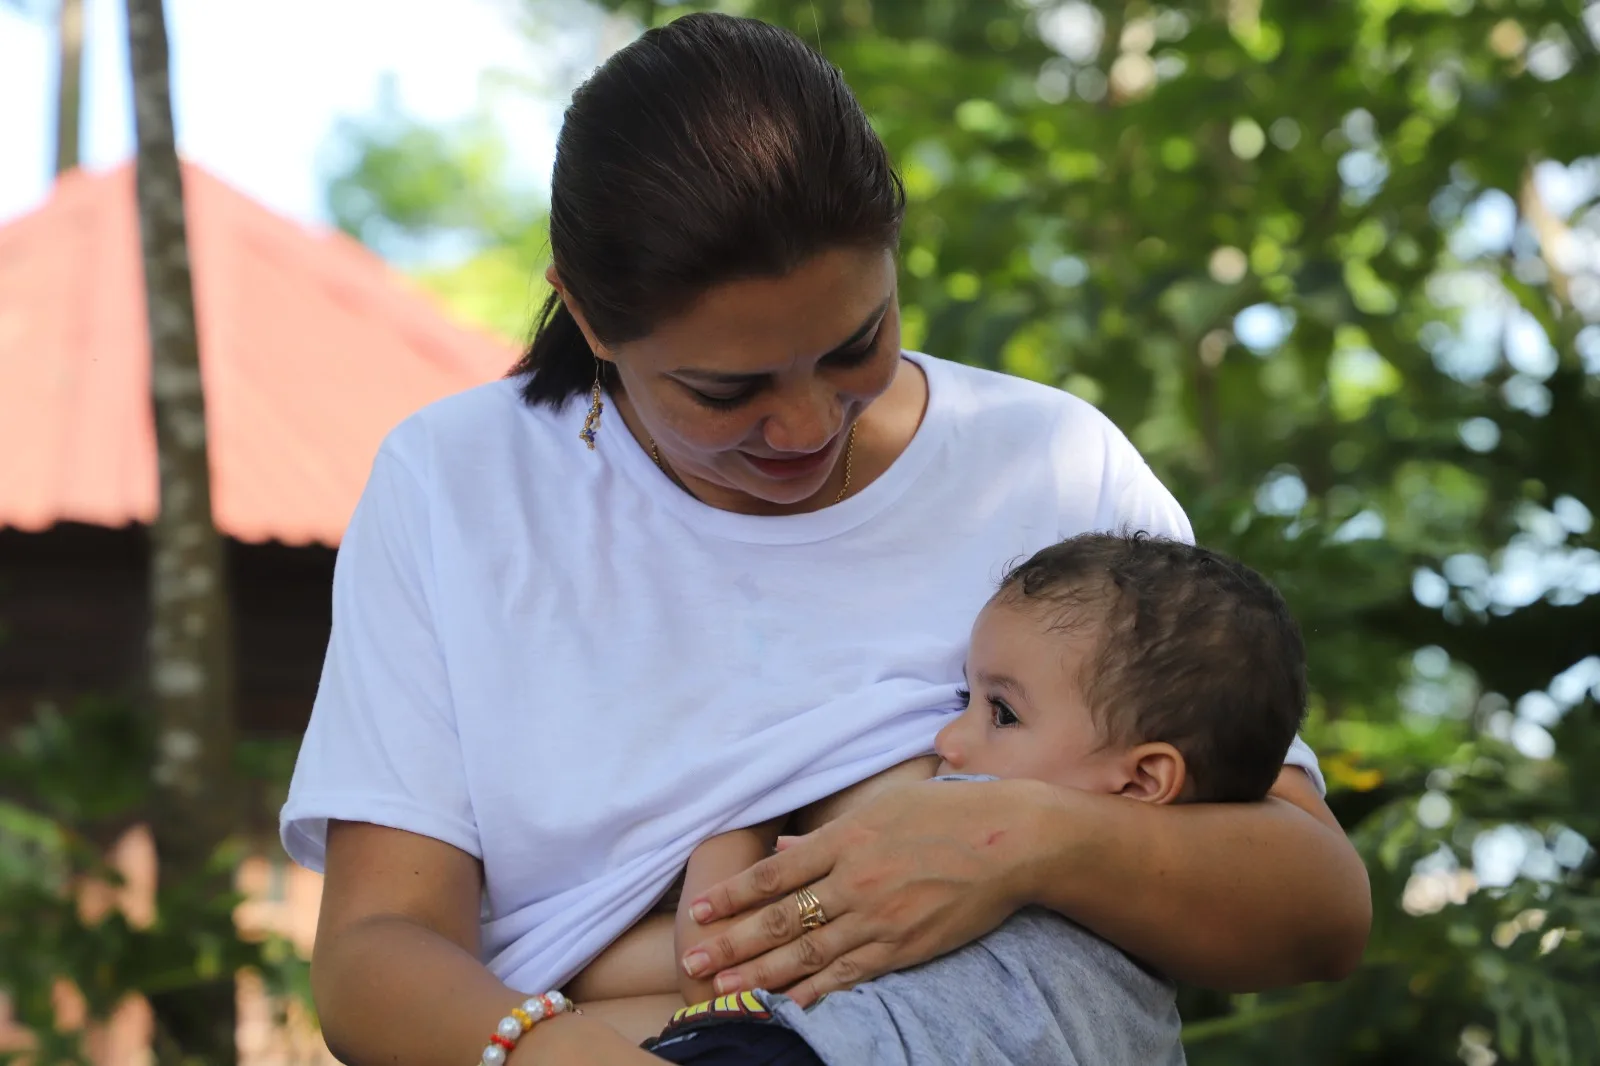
[638, 963]
[715, 860]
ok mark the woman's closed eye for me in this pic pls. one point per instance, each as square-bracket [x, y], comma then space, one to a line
[722, 401]
[856, 355]
[736, 395]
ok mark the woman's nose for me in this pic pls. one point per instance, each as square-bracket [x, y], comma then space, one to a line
[804, 424]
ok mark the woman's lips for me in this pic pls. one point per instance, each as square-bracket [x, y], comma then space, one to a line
[790, 469]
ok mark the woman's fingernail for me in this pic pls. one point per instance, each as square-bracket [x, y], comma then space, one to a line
[695, 963]
[726, 984]
[701, 911]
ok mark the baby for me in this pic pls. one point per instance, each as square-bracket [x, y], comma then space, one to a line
[1134, 666]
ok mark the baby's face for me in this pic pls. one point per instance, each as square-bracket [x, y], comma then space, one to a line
[1026, 716]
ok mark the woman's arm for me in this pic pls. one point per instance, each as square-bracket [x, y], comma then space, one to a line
[1236, 896]
[395, 970]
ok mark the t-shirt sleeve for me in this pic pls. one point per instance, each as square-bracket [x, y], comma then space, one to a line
[1141, 503]
[382, 745]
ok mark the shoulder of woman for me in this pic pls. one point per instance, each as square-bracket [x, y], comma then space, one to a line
[470, 425]
[1017, 406]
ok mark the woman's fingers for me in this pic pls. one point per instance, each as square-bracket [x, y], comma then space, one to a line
[792, 962]
[759, 937]
[847, 971]
[806, 860]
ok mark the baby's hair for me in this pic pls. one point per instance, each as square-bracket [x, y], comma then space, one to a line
[1192, 648]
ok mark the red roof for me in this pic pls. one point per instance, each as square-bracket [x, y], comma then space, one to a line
[311, 349]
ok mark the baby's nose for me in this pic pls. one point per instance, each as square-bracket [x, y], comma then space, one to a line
[944, 745]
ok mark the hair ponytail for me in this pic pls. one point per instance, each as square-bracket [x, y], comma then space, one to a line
[559, 363]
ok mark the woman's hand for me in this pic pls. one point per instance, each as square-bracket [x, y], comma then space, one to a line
[916, 872]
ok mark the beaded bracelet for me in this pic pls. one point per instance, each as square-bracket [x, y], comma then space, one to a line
[512, 1027]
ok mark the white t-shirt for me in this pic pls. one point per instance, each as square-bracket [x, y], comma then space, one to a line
[558, 661]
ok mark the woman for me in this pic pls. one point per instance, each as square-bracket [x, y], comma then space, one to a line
[709, 555]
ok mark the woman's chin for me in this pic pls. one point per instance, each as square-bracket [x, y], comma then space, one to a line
[788, 493]
[776, 491]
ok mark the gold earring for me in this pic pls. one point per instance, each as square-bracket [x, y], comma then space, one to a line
[591, 421]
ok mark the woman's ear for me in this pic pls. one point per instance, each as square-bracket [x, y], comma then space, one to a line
[1155, 773]
[576, 312]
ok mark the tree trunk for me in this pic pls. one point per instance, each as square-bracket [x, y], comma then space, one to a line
[69, 85]
[191, 673]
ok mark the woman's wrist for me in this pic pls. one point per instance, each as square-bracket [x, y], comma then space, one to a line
[549, 1042]
[1050, 835]
[520, 1022]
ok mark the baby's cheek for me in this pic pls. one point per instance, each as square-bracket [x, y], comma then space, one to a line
[1081, 773]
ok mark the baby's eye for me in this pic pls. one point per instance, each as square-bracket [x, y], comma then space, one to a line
[1001, 715]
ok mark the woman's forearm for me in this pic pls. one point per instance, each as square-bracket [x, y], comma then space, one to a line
[391, 990]
[1235, 897]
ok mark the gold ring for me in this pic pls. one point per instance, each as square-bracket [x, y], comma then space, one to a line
[812, 916]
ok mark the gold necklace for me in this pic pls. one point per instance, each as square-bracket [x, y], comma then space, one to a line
[844, 490]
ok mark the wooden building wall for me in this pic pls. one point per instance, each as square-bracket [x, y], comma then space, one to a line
[73, 610]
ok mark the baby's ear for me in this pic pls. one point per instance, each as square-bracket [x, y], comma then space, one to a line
[1155, 773]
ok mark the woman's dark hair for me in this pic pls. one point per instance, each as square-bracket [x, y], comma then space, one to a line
[711, 149]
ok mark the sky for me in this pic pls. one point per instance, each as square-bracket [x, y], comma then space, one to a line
[259, 85]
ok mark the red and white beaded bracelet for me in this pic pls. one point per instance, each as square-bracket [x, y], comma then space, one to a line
[534, 1010]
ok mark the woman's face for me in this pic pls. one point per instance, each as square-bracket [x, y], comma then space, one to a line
[751, 393]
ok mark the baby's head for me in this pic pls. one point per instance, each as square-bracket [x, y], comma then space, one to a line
[1132, 665]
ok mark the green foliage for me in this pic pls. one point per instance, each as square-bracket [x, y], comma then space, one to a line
[73, 783]
[1298, 251]
[440, 201]
[405, 180]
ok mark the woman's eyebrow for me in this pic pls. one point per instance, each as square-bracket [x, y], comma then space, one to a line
[721, 378]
